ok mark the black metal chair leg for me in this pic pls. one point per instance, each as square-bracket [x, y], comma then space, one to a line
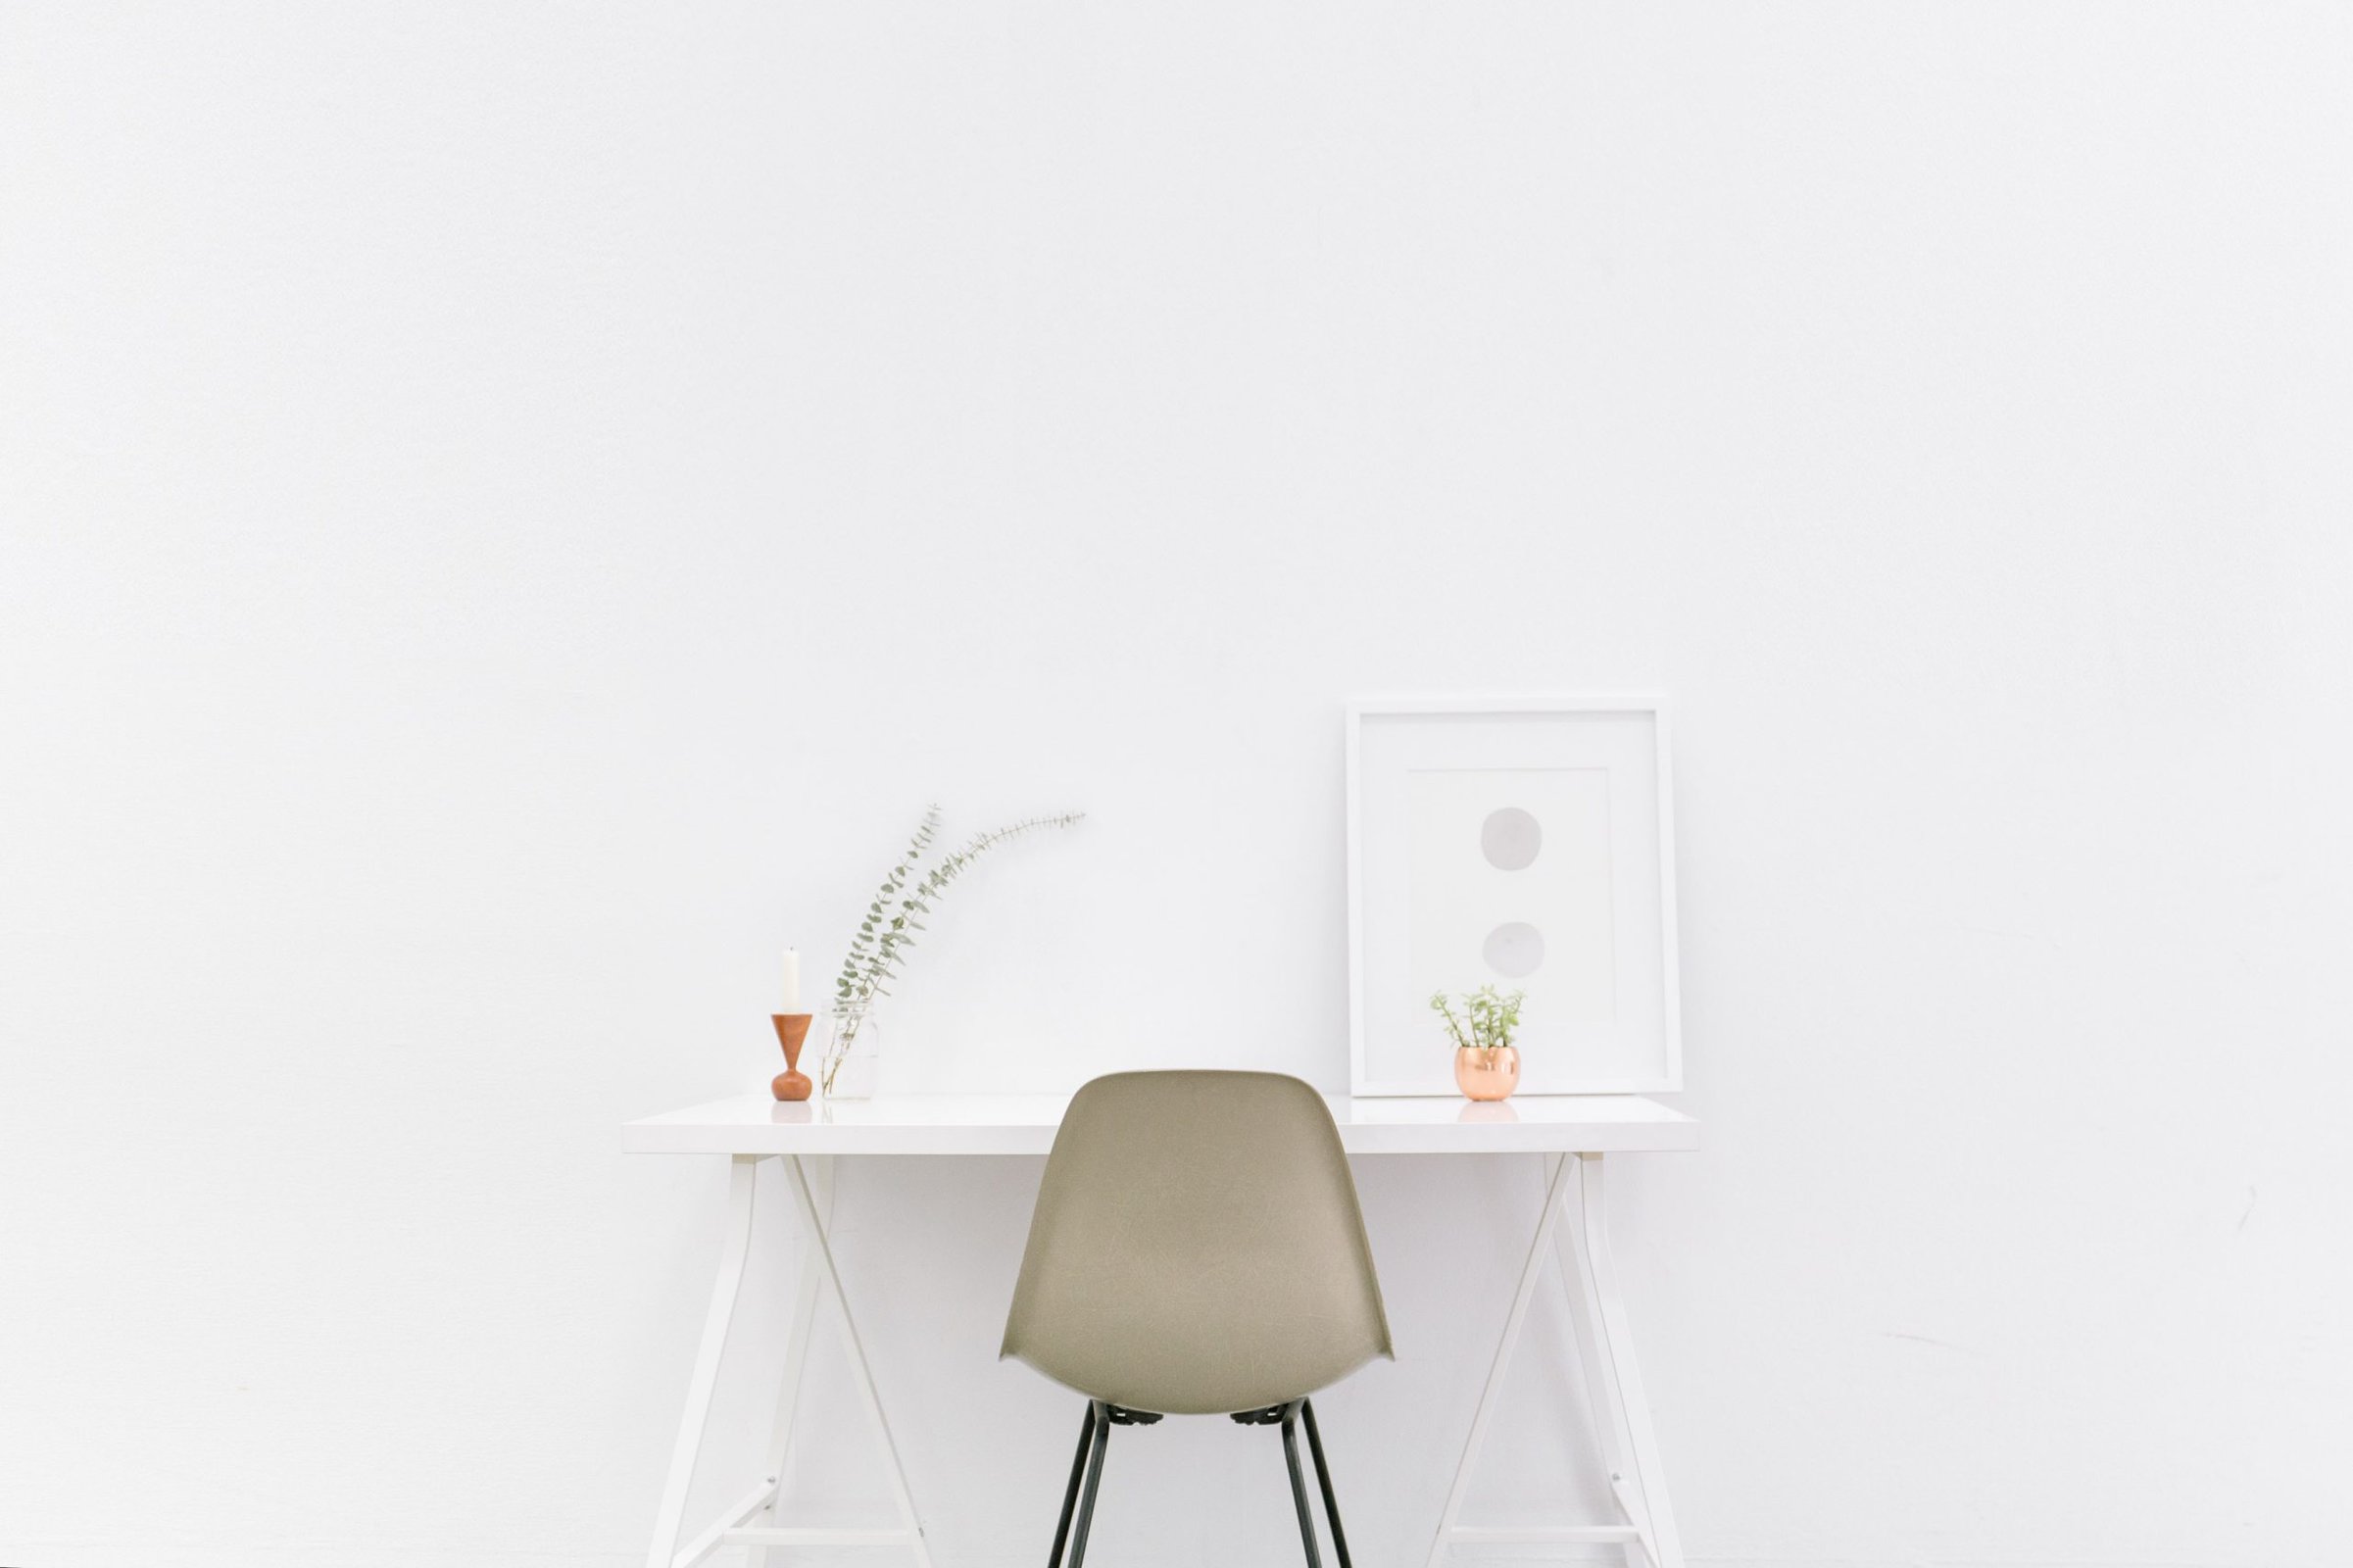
[1078, 1468]
[1094, 1440]
[1323, 1478]
[1298, 1483]
[1086, 1500]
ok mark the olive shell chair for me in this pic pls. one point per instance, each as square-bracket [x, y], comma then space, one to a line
[1197, 1249]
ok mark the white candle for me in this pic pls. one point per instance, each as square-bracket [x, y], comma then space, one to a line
[792, 981]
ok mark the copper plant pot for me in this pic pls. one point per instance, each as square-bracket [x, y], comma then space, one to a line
[1486, 1072]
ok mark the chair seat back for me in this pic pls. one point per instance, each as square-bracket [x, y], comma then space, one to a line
[1196, 1247]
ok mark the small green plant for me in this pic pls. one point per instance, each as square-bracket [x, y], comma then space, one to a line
[1487, 1019]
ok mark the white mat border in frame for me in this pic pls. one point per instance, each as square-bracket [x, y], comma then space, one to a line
[1440, 1080]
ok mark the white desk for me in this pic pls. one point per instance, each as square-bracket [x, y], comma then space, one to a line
[1569, 1134]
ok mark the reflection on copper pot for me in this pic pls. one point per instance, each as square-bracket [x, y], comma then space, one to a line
[1486, 1072]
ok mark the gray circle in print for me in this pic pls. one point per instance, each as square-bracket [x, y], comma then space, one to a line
[1515, 950]
[1511, 838]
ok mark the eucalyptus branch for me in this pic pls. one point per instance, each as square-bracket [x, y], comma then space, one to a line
[878, 952]
[870, 930]
[879, 949]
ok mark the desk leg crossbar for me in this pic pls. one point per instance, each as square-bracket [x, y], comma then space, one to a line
[1580, 1255]
[813, 1200]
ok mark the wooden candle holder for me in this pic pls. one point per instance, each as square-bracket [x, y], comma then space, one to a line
[792, 1032]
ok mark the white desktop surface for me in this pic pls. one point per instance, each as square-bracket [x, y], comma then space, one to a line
[1026, 1124]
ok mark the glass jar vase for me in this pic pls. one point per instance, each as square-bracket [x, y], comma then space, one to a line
[851, 1065]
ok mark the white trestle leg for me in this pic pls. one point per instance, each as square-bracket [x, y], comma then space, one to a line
[796, 1358]
[829, 1279]
[1488, 1395]
[1581, 1258]
[1600, 1383]
[1607, 1307]
[734, 1247]
[819, 1279]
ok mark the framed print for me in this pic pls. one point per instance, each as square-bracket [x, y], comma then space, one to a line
[1523, 844]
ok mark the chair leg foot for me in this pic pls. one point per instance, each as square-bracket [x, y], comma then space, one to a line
[1078, 1469]
[1102, 1438]
[1323, 1478]
[1298, 1483]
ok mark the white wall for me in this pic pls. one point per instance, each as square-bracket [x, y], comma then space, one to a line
[510, 511]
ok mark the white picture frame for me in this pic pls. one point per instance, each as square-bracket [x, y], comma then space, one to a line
[1447, 807]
